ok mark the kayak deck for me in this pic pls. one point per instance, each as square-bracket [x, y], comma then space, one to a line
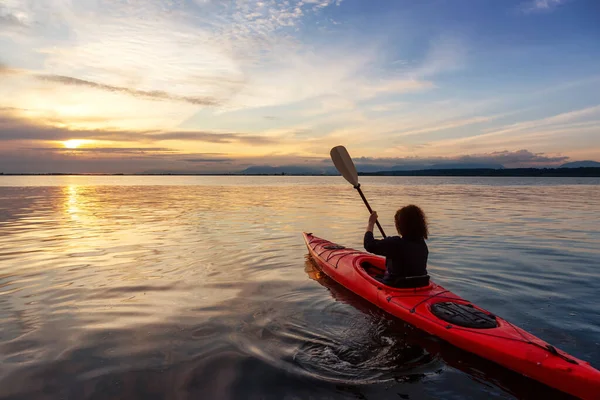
[431, 307]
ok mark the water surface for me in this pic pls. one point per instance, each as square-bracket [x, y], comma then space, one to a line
[199, 287]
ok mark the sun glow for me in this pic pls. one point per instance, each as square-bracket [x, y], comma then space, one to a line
[74, 143]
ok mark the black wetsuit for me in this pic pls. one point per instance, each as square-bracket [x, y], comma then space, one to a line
[404, 258]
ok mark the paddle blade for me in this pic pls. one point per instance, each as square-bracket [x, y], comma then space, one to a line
[342, 161]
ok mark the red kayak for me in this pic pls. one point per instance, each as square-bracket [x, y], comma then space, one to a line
[440, 312]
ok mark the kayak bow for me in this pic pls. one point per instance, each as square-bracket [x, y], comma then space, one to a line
[442, 313]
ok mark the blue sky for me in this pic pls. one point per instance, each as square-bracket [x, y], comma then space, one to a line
[128, 86]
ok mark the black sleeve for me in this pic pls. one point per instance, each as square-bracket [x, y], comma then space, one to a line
[382, 247]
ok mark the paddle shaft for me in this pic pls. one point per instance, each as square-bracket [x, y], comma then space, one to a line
[362, 196]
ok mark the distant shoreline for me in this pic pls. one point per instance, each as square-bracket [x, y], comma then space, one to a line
[581, 172]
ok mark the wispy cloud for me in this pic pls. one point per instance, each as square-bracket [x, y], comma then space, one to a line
[533, 6]
[10, 20]
[446, 125]
[154, 94]
[10, 16]
[211, 137]
[5, 70]
[107, 150]
[208, 160]
[568, 130]
[446, 53]
[544, 123]
[13, 128]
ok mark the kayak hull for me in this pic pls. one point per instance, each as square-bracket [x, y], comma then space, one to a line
[505, 344]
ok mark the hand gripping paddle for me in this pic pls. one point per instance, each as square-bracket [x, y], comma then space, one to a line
[343, 162]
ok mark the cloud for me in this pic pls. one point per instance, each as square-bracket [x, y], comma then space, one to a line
[82, 106]
[563, 132]
[191, 75]
[112, 61]
[11, 15]
[548, 123]
[446, 53]
[107, 150]
[10, 20]
[154, 94]
[208, 160]
[444, 125]
[235, 55]
[147, 94]
[534, 6]
[13, 128]
[5, 70]
[212, 137]
[392, 86]
[507, 158]
[519, 157]
[261, 18]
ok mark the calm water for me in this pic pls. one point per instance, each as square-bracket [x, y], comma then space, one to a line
[199, 287]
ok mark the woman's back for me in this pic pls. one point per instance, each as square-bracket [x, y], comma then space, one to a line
[403, 258]
[406, 256]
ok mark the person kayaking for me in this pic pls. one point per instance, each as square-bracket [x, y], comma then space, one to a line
[405, 255]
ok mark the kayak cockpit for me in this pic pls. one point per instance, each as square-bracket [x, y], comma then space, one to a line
[372, 268]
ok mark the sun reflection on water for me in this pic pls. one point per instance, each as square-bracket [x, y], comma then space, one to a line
[72, 201]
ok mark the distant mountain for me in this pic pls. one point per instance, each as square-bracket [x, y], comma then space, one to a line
[407, 167]
[581, 164]
[448, 165]
[466, 166]
[372, 167]
[288, 169]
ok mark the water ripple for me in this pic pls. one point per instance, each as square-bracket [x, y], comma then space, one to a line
[141, 287]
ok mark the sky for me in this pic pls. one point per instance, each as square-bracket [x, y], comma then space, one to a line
[109, 86]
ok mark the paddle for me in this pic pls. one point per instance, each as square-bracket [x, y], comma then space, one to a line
[343, 162]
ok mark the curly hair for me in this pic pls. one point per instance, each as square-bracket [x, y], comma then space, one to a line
[411, 223]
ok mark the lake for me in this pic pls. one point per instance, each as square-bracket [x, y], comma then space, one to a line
[151, 287]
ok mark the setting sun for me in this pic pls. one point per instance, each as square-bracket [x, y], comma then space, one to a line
[74, 143]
